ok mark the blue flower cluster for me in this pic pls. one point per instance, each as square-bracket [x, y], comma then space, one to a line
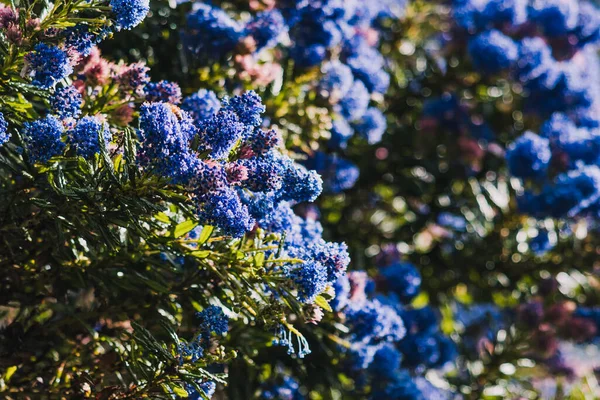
[550, 48]
[129, 13]
[88, 136]
[348, 82]
[212, 320]
[47, 137]
[210, 32]
[4, 135]
[168, 92]
[66, 102]
[322, 262]
[553, 62]
[47, 65]
[392, 343]
[43, 138]
[232, 157]
[317, 30]
[563, 159]
[285, 388]
[338, 174]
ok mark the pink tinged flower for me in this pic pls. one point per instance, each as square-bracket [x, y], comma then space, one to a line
[8, 17]
[259, 73]
[134, 77]
[123, 115]
[236, 173]
[14, 34]
[358, 284]
[33, 24]
[316, 315]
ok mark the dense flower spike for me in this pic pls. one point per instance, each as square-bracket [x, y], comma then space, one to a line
[129, 13]
[225, 210]
[266, 27]
[201, 105]
[389, 340]
[211, 32]
[212, 319]
[47, 65]
[66, 102]
[44, 138]
[165, 134]
[4, 135]
[529, 156]
[168, 92]
[492, 51]
[88, 136]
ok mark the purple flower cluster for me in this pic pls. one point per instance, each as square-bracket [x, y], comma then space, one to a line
[544, 45]
[43, 138]
[88, 136]
[212, 320]
[317, 29]
[338, 174]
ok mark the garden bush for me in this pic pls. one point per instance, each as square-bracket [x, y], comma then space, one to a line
[299, 199]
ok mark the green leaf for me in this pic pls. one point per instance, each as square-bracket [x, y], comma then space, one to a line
[207, 231]
[162, 217]
[321, 302]
[201, 253]
[9, 373]
[259, 259]
[184, 228]
[179, 391]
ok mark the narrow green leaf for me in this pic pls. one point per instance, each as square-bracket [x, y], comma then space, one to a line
[321, 302]
[162, 217]
[207, 231]
[179, 391]
[184, 228]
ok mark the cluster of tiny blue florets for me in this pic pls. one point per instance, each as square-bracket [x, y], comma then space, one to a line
[550, 48]
[66, 102]
[80, 39]
[241, 159]
[4, 135]
[129, 13]
[391, 342]
[316, 30]
[212, 320]
[165, 91]
[48, 65]
[88, 136]
[201, 105]
[338, 174]
[43, 138]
